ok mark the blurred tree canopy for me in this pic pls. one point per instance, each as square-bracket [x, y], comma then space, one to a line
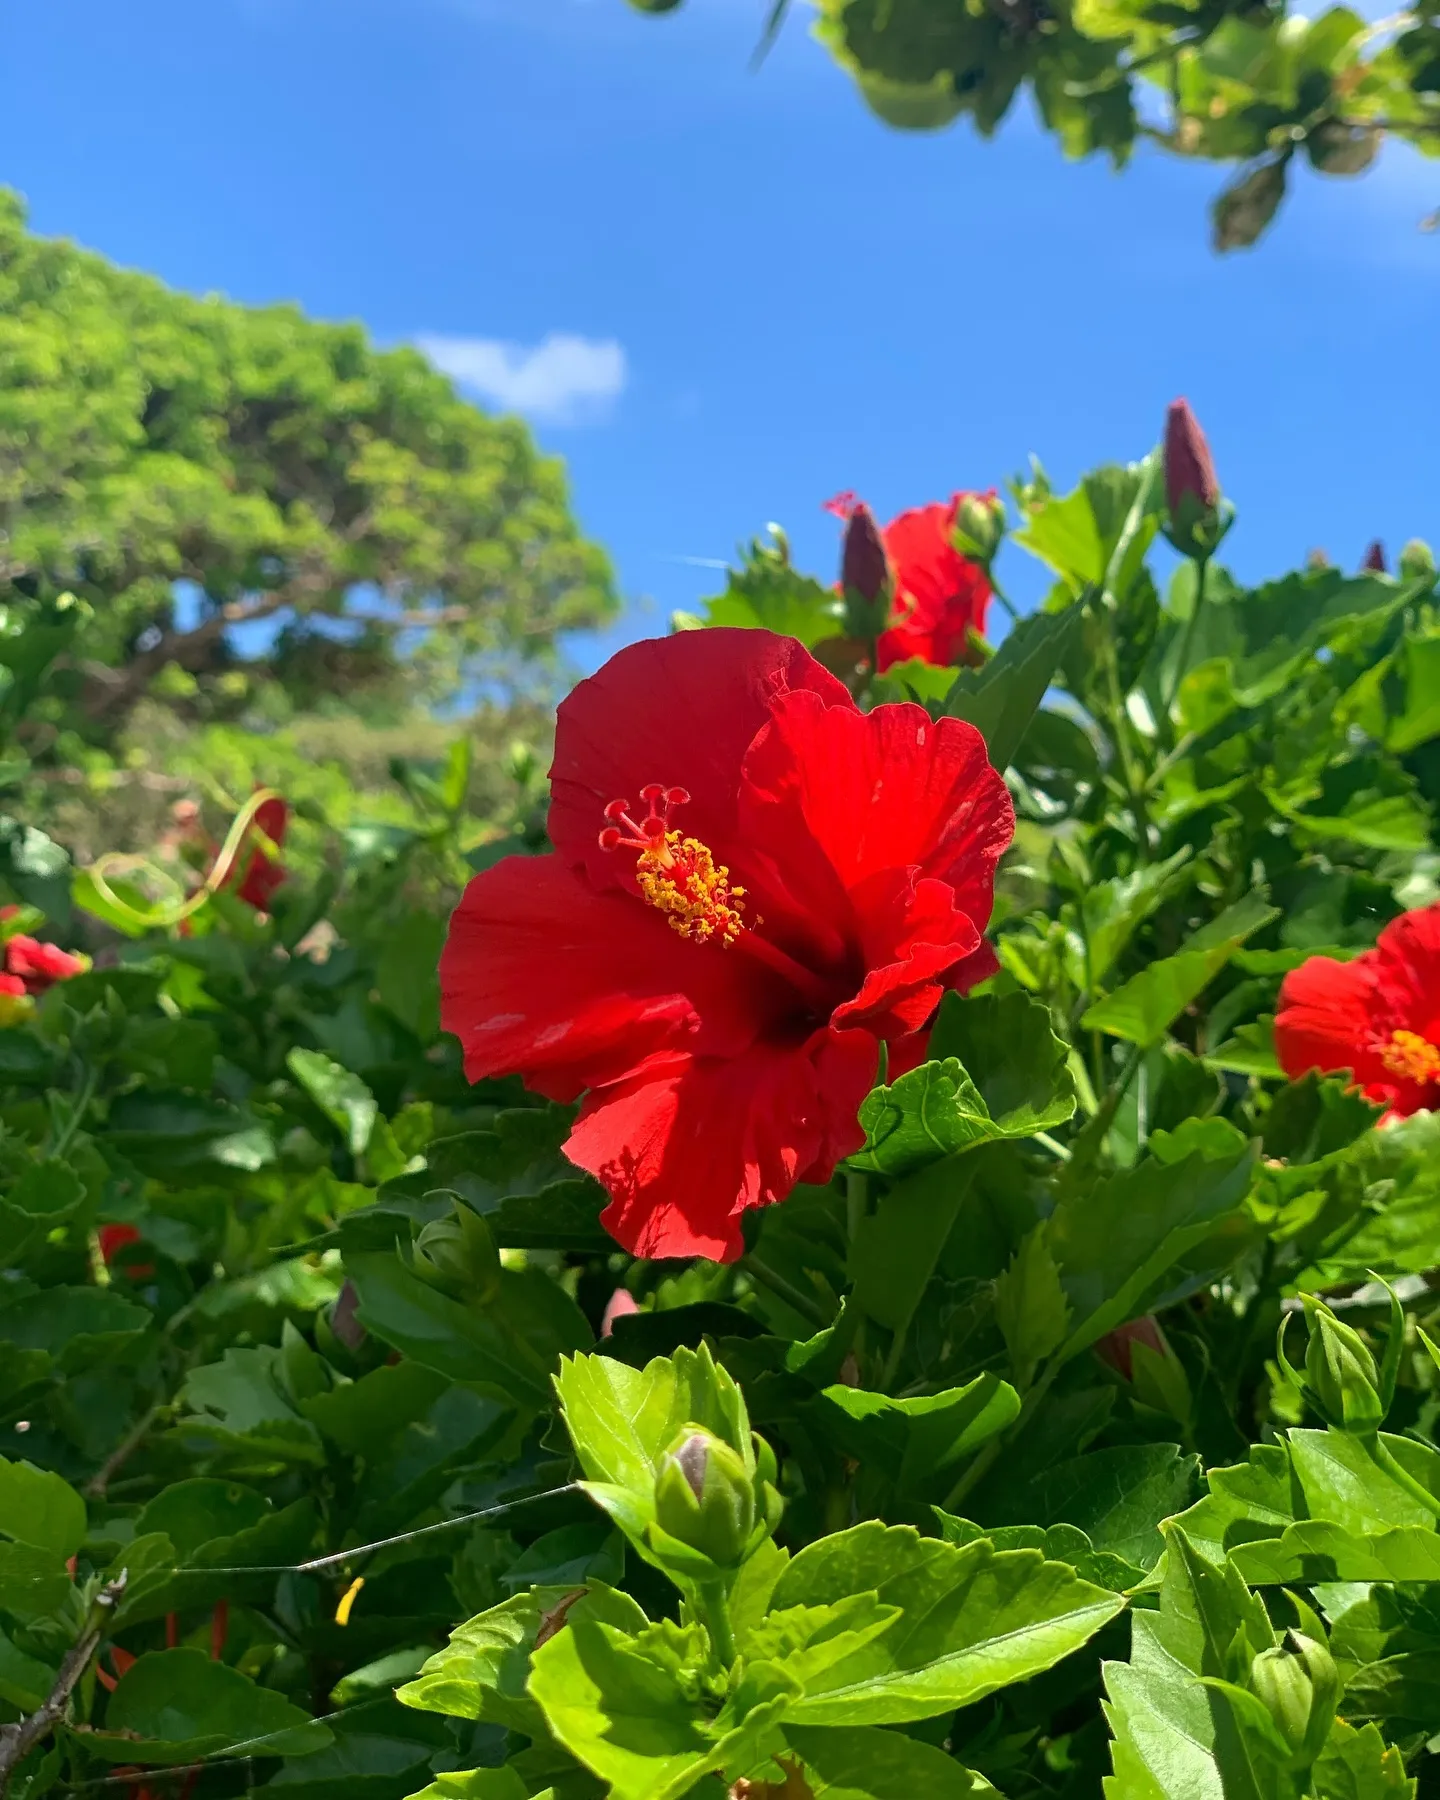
[190, 467]
[1228, 81]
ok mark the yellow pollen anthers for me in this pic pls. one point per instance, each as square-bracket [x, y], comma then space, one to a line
[680, 879]
[1410, 1057]
[677, 875]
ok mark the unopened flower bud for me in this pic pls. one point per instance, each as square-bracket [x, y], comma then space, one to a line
[458, 1256]
[1340, 1373]
[864, 567]
[981, 520]
[1417, 559]
[1374, 562]
[1189, 467]
[1299, 1685]
[705, 1498]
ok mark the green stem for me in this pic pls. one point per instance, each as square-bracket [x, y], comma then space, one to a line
[84, 1095]
[892, 1361]
[715, 1604]
[1202, 563]
[986, 1460]
[857, 1193]
[785, 1290]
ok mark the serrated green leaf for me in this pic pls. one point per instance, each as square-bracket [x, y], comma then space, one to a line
[343, 1098]
[870, 1764]
[1001, 698]
[1030, 1305]
[972, 1620]
[1149, 1003]
[917, 1443]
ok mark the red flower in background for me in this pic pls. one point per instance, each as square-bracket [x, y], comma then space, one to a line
[720, 998]
[940, 595]
[1378, 1016]
[262, 873]
[38, 966]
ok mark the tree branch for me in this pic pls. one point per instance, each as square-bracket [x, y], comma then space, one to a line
[17, 1740]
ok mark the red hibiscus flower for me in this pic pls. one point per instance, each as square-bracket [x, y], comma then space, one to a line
[940, 595]
[715, 968]
[262, 874]
[39, 966]
[1378, 1016]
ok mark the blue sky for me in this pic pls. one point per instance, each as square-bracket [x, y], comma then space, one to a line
[724, 296]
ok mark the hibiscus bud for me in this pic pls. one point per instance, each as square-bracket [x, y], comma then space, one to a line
[1116, 1347]
[1417, 559]
[619, 1306]
[344, 1320]
[458, 1256]
[1189, 466]
[1375, 559]
[1299, 1686]
[865, 568]
[705, 1498]
[1340, 1373]
[980, 522]
[1192, 489]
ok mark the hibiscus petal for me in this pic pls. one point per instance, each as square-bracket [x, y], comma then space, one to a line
[685, 1151]
[890, 789]
[544, 976]
[681, 711]
[913, 938]
[1407, 969]
[1330, 1016]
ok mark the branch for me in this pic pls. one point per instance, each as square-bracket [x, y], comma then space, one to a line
[17, 1740]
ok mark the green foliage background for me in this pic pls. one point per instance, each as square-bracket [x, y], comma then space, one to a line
[328, 1464]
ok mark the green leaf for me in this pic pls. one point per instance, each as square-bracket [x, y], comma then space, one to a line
[175, 1706]
[478, 1784]
[343, 1098]
[623, 1420]
[40, 1508]
[1121, 1245]
[1064, 534]
[33, 1582]
[1023, 1086]
[1360, 1765]
[1117, 1496]
[483, 1670]
[407, 974]
[870, 1764]
[767, 594]
[917, 1443]
[894, 1252]
[78, 1326]
[1056, 1543]
[1109, 913]
[511, 1347]
[971, 1620]
[1001, 698]
[626, 1713]
[1007, 1045]
[1174, 1737]
[24, 1680]
[1250, 1052]
[1030, 1305]
[1149, 1003]
[1419, 722]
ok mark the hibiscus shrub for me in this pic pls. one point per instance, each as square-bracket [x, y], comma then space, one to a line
[887, 1252]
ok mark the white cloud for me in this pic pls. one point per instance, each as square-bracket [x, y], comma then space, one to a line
[561, 380]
